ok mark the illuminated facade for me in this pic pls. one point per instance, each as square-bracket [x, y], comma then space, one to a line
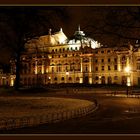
[53, 59]
[6, 79]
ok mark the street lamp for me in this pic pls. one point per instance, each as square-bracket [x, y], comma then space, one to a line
[67, 74]
[128, 71]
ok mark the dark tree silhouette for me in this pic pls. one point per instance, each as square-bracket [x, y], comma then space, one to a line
[19, 24]
[114, 24]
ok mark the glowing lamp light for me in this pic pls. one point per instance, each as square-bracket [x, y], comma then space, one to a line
[12, 82]
[127, 69]
[67, 73]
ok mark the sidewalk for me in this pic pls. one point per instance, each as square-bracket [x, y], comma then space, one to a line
[124, 95]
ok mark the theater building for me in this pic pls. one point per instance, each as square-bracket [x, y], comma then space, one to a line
[54, 59]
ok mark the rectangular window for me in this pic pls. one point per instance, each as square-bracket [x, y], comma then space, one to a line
[108, 60]
[96, 60]
[115, 67]
[96, 68]
[102, 60]
[115, 60]
[138, 66]
[102, 68]
[109, 68]
[108, 51]
[86, 68]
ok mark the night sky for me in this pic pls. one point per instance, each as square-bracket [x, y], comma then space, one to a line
[106, 24]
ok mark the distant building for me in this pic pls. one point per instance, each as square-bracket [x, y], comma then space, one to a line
[54, 58]
[6, 79]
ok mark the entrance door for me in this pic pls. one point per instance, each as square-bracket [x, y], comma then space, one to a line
[103, 80]
[109, 80]
[124, 80]
[86, 79]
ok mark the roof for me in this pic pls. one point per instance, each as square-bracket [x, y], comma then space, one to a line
[55, 39]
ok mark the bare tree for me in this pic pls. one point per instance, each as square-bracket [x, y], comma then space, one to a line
[22, 23]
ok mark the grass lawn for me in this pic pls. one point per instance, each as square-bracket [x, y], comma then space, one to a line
[16, 107]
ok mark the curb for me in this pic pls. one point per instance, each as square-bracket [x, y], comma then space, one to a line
[45, 119]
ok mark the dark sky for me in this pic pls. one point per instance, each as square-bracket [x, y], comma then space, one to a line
[106, 24]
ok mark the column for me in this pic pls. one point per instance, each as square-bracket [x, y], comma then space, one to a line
[90, 66]
[119, 63]
[36, 71]
[128, 80]
[81, 65]
[42, 68]
[81, 77]
[127, 62]
[90, 70]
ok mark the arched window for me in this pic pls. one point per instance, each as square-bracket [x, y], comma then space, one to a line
[70, 79]
[62, 78]
[55, 79]
[77, 78]
[96, 78]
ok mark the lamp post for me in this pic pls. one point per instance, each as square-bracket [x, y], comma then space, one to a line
[67, 74]
[128, 71]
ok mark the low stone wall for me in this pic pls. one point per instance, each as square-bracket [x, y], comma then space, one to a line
[6, 124]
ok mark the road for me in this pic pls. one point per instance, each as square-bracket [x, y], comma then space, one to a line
[115, 115]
